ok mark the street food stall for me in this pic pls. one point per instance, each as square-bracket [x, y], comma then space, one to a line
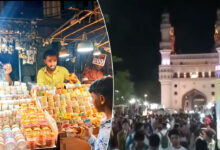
[36, 116]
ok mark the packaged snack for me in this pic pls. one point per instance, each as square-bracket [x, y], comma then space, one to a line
[50, 139]
[40, 141]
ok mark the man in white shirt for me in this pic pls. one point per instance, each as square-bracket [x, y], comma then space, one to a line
[175, 140]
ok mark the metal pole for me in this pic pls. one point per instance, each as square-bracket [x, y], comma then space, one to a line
[19, 64]
[36, 68]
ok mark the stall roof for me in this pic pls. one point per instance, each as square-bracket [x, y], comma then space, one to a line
[84, 21]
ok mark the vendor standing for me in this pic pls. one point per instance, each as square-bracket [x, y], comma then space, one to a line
[52, 74]
[92, 73]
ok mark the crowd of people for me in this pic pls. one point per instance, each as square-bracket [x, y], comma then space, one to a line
[179, 131]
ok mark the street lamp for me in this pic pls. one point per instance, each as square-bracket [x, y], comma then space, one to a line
[145, 95]
[132, 101]
[117, 91]
[145, 103]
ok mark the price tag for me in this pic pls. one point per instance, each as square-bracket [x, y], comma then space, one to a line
[99, 59]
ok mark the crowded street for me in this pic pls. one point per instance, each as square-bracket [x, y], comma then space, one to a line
[191, 131]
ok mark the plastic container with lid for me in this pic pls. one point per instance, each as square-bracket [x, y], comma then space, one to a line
[46, 130]
[50, 139]
[40, 140]
[31, 143]
[2, 146]
[15, 131]
[21, 144]
[10, 144]
[1, 140]
[19, 136]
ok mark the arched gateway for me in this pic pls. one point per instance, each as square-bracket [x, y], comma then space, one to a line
[193, 99]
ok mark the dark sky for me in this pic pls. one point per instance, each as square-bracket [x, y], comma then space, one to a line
[134, 31]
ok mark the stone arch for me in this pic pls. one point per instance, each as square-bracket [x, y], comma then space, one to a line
[193, 97]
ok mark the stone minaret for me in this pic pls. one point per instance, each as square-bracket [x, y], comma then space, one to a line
[217, 95]
[165, 72]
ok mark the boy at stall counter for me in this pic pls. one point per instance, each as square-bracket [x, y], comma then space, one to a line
[52, 74]
[102, 95]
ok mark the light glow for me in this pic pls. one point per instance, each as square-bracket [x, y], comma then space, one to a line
[154, 106]
[132, 101]
[194, 75]
[217, 67]
[145, 103]
[85, 46]
[210, 105]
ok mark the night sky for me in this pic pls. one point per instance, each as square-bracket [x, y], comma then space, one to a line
[134, 32]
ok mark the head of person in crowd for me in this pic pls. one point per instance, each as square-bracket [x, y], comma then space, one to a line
[102, 95]
[125, 125]
[174, 136]
[147, 127]
[139, 140]
[176, 126]
[154, 142]
[139, 126]
[164, 125]
[201, 145]
[200, 133]
[97, 67]
[207, 120]
[209, 135]
[50, 60]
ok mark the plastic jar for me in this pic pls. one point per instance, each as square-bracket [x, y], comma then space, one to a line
[10, 144]
[50, 140]
[21, 144]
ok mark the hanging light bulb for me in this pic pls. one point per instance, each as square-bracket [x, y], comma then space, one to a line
[18, 46]
[85, 45]
[96, 51]
[3, 45]
[64, 52]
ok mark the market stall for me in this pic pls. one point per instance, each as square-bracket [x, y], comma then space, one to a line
[36, 116]
[23, 125]
[35, 119]
[70, 106]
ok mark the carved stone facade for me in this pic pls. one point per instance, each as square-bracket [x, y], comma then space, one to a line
[187, 80]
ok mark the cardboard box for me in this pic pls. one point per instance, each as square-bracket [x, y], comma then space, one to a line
[72, 143]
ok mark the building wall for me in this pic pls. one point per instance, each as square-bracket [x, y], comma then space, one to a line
[186, 85]
[176, 78]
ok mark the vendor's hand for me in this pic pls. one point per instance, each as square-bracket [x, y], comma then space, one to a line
[8, 68]
[87, 133]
